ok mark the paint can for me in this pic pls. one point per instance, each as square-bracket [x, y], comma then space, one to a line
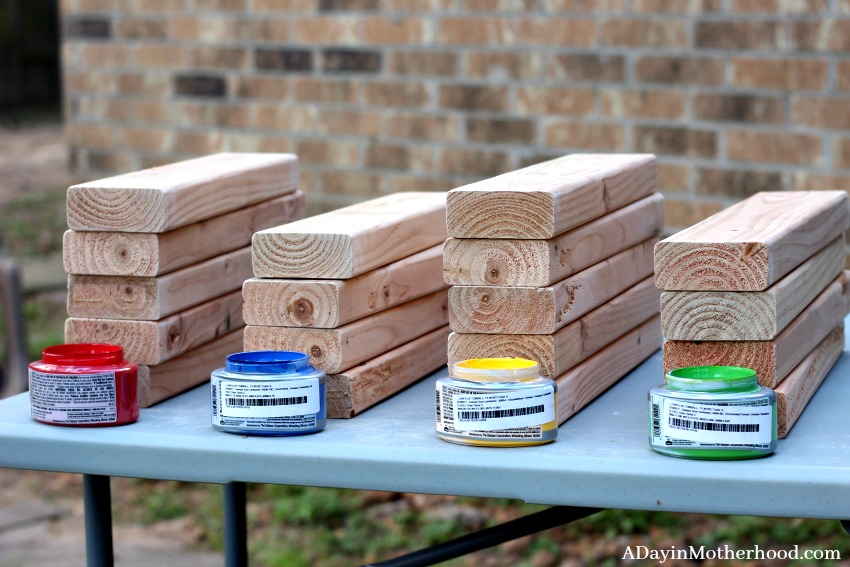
[268, 393]
[84, 385]
[497, 402]
[712, 412]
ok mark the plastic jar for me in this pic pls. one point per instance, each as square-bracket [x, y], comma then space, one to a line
[268, 393]
[497, 402]
[712, 412]
[84, 385]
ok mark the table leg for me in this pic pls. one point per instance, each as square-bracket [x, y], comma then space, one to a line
[846, 525]
[98, 509]
[235, 525]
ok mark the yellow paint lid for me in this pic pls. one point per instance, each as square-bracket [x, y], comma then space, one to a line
[500, 369]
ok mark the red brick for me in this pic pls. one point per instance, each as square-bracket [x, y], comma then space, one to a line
[643, 33]
[267, 30]
[774, 147]
[675, 141]
[105, 55]
[422, 127]
[584, 5]
[199, 142]
[643, 103]
[586, 67]
[396, 94]
[672, 177]
[336, 153]
[349, 122]
[740, 34]
[211, 57]
[830, 113]
[344, 91]
[553, 100]
[160, 56]
[252, 86]
[804, 181]
[244, 142]
[843, 82]
[160, 6]
[681, 213]
[782, 7]
[394, 30]
[500, 66]
[339, 30]
[111, 161]
[473, 31]
[739, 108]
[87, 82]
[842, 152]
[822, 35]
[348, 5]
[462, 161]
[556, 31]
[680, 70]
[427, 63]
[398, 183]
[793, 74]
[302, 6]
[297, 119]
[155, 110]
[676, 6]
[580, 135]
[147, 139]
[407, 158]
[736, 183]
[92, 135]
[353, 183]
[501, 131]
[221, 5]
[474, 97]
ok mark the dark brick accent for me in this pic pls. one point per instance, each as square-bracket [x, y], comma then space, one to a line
[200, 85]
[738, 35]
[676, 141]
[348, 5]
[739, 108]
[88, 27]
[589, 67]
[284, 59]
[351, 61]
[500, 131]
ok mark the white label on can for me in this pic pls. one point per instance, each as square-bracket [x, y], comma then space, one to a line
[678, 423]
[470, 410]
[281, 398]
[73, 398]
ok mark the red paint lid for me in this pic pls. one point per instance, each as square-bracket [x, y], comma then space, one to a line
[83, 354]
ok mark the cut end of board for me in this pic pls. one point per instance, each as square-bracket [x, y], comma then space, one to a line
[711, 266]
[500, 213]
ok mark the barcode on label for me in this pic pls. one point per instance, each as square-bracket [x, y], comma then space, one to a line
[264, 402]
[656, 420]
[708, 426]
[476, 415]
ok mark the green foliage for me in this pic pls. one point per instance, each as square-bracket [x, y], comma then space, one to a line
[33, 223]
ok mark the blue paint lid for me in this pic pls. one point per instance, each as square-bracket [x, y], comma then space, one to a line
[268, 362]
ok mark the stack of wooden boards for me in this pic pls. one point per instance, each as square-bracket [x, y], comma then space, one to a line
[760, 285]
[157, 258]
[360, 290]
[553, 263]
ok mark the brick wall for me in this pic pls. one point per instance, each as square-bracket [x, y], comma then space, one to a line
[377, 96]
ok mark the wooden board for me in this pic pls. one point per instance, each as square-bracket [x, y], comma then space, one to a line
[350, 241]
[795, 391]
[166, 197]
[335, 350]
[538, 263]
[558, 352]
[150, 254]
[582, 384]
[154, 342]
[151, 299]
[751, 245]
[544, 310]
[328, 304]
[160, 382]
[361, 387]
[546, 199]
[773, 359]
[749, 315]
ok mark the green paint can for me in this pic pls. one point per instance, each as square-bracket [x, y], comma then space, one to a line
[712, 412]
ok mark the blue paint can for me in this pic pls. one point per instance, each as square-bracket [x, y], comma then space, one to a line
[268, 393]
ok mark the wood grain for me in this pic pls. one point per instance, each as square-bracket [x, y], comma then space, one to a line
[535, 310]
[772, 360]
[352, 240]
[582, 384]
[359, 388]
[154, 342]
[795, 391]
[327, 304]
[750, 315]
[558, 352]
[151, 254]
[546, 199]
[538, 263]
[166, 197]
[162, 381]
[151, 299]
[751, 245]
[335, 350]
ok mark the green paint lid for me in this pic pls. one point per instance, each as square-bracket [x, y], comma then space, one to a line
[712, 379]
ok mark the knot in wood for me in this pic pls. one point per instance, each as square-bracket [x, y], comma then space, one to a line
[302, 310]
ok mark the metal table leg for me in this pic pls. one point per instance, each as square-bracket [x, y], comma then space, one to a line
[98, 508]
[235, 525]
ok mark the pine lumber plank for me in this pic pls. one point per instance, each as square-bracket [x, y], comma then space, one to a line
[328, 304]
[154, 342]
[152, 254]
[558, 352]
[535, 310]
[751, 245]
[359, 388]
[335, 350]
[795, 391]
[582, 384]
[167, 197]
[152, 299]
[772, 360]
[750, 315]
[352, 240]
[538, 263]
[549, 198]
[162, 381]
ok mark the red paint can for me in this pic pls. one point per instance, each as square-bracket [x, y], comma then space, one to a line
[84, 385]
